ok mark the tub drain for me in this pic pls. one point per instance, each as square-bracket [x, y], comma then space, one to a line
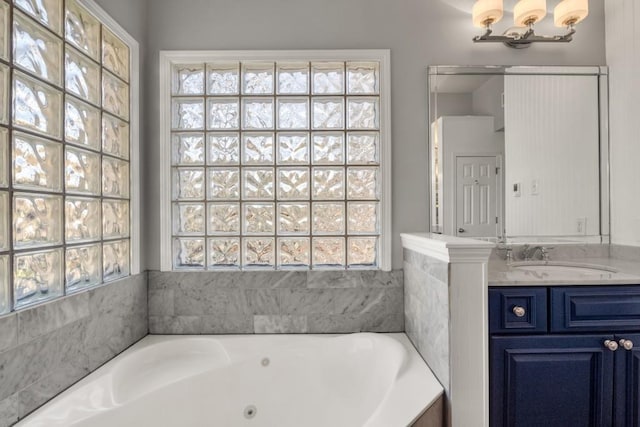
[250, 412]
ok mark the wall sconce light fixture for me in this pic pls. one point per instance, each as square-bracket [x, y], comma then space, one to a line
[526, 14]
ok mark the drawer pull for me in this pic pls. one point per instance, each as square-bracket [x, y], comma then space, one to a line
[626, 344]
[611, 345]
[519, 311]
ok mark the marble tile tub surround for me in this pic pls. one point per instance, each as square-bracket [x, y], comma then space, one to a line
[275, 302]
[47, 348]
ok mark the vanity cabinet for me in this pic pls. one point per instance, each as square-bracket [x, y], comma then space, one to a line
[564, 356]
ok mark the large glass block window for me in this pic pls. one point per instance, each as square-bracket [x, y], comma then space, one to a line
[276, 165]
[64, 152]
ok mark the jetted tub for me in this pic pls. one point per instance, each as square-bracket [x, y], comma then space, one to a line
[373, 380]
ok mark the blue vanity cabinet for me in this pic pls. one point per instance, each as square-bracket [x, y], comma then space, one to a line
[571, 358]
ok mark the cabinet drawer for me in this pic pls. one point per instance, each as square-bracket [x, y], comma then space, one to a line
[517, 310]
[610, 308]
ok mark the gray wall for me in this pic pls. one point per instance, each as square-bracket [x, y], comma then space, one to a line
[418, 32]
[47, 348]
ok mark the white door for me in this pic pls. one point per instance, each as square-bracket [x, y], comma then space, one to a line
[476, 196]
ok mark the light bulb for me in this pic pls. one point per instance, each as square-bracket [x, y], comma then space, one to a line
[570, 12]
[528, 12]
[487, 12]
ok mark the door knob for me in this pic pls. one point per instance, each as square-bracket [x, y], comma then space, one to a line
[460, 230]
[519, 311]
[626, 344]
[611, 345]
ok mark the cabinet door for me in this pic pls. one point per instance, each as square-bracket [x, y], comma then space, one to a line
[557, 380]
[627, 397]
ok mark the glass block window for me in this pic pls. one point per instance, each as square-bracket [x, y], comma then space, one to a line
[275, 164]
[64, 152]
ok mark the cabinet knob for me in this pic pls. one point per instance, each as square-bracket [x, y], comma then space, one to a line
[611, 345]
[519, 311]
[626, 344]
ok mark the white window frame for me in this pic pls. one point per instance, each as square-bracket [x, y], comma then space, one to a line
[170, 58]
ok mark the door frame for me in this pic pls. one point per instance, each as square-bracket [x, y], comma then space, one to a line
[499, 189]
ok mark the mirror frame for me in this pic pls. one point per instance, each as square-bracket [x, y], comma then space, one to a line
[602, 72]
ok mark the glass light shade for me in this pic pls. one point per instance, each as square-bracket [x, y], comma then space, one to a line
[487, 12]
[569, 12]
[529, 12]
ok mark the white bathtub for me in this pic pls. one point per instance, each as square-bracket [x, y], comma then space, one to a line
[373, 380]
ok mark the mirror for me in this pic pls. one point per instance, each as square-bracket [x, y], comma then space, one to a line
[519, 154]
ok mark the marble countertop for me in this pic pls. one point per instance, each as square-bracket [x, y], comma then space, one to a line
[625, 271]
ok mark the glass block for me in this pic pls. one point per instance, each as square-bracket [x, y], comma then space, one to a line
[187, 148]
[115, 178]
[187, 113]
[362, 78]
[4, 94]
[224, 218]
[257, 113]
[257, 78]
[293, 218]
[293, 184]
[328, 78]
[258, 252]
[258, 184]
[4, 221]
[328, 252]
[188, 184]
[223, 78]
[363, 113]
[223, 113]
[224, 252]
[84, 267]
[293, 78]
[115, 54]
[259, 218]
[328, 148]
[82, 30]
[223, 183]
[82, 172]
[362, 148]
[362, 218]
[82, 76]
[328, 183]
[293, 148]
[362, 252]
[362, 183]
[293, 252]
[115, 136]
[37, 163]
[293, 113]
[82, 219]
[37, 220]
[5, 285]
[36, 107]
[257, 148]
[4, 158]
[328, 218]
[37, 276]
[328, 113]
[115, 96]
[223, 148]
[188, 219]
[46, 12]
[115, 218]
[81, 124]
[188, 79]
[36, 49]
[115, 260]
[188, 253]
[4, 35]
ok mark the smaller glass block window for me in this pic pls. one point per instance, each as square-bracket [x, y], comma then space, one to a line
[275, 165]
[64, 152]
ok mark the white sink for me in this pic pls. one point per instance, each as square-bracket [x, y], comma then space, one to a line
[549, 270]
